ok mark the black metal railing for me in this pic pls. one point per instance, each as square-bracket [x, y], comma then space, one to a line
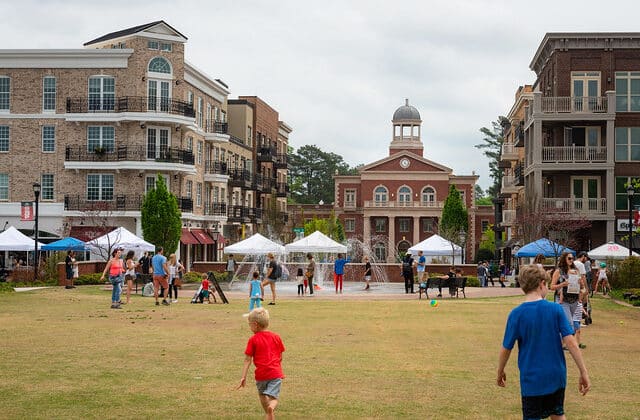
[282, 189]
[240, 178]
[185, 204]
[519, 135]
[117, 203]
[129, 104]
[213, 126]
[238, 213]
[518, 173]
[266, 153]
[216, 167]
[215, 209]
[129, 153]
[255, 213]
[281, 161]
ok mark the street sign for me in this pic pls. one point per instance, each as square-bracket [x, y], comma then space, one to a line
[298, 230]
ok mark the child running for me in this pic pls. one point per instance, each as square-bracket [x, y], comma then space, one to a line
[255, 291]
[265, 348]
[537, 326]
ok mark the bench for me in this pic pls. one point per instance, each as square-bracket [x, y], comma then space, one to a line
[459, 283]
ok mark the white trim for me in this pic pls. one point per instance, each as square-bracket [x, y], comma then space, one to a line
[134, 165]
[198, 79]
[66, 59]
[157, 117]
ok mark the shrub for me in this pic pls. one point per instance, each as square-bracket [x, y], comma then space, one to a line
[50, 271]
[192, 277]
[93, 278]
[627, 274]
[6, 288]
[472, 281]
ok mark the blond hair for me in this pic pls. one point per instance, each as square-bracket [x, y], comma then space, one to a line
[260, 316]
[530, 277]
[172, 259]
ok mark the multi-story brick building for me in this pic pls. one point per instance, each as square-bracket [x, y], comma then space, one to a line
[397, 201]
[581, 130]
[95, 126]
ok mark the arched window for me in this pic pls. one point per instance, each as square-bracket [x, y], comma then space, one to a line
[404, 196]
[428, 196]
[380, 252]
[381, 196]
[159, 65]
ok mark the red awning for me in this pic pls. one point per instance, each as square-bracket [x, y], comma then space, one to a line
[88, 233]
[202, 236]
[187, 238]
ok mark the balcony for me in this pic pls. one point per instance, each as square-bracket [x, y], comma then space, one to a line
[519, 135]
[215, 171]
[216, 131]
[509, 152]
[281, 161]
[581, 206]
[405, 204]
[130, 157]
[560, 108]
[266, 153]
[185, 204]
[118, 203]
[509, 185]
[255, 214]
[518, 172]
[508, 217]
[129, 108]
[238, 214]
[240, 178]
[574, 154]
[215, 209]
[282, 189]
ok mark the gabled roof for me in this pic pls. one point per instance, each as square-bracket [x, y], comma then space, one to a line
[132, 31]
[408, 154]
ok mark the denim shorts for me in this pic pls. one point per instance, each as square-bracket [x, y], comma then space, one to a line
[270, 387]
[576, 325]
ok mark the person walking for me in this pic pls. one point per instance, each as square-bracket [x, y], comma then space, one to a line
[175, 268]
[273, 274]
[311, 269]
[338, 271]
[421, 268]
[231, 268]
[566, 283]
[407, 272]
[367, 272]
[115, 267]
[160, 273]
[130, 273]
[482, 274]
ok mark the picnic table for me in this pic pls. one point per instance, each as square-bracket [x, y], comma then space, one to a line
[456, 283]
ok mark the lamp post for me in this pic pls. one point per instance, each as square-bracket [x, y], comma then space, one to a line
[215, 235]
[36, 260]
[630, 193]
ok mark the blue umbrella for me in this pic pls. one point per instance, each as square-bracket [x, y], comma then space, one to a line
[543, 246]
[65, 244]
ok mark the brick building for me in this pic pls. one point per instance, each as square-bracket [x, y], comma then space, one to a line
[95, 126]
[579, 131]
[397, 201]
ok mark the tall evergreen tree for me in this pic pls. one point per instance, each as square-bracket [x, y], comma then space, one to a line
[454, 223]
[492, 147]
[160, 215]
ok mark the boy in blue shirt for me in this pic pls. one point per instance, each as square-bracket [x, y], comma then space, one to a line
[537, 326]
[338, 271]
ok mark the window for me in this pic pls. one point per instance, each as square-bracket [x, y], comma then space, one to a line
[159, 65]
[381, 225]
[159, 95]
[198, 193]
[48, 138]
[627, 91]
[102, 93]
[249, 137]
[199, 112]
[199, 153]
[157, 142]
[349, 225]
[151, 182]
[404, 225]
[380, 251]
[46, 182]
[350, 198]
[152, 45]
[4, 187]
[4, 138]
[190, 98]
[585, 192]
[622, 201]
[427, 225]
[189, 189]
[100, 137]
[404, 196]
[99, 187]
[190, 144]
[5, 93]
[428, 196]
[165, 46]
[216, 194]
[484, 225]
[49, 93]
[380, 196]
[585, 89]
[627, 143]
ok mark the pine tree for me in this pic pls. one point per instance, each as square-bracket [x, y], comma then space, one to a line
[161, 224]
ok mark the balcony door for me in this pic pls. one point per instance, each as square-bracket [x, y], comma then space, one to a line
[585, 90]
[159, 95]
[157, 143]
[585, 193]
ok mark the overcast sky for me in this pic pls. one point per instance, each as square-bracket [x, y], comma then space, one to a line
[337, 70]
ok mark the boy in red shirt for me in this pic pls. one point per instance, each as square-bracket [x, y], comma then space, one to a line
[205, 293]
[265, 349]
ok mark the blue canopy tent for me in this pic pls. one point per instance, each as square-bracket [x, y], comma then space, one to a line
[65, 244]
[543, 246]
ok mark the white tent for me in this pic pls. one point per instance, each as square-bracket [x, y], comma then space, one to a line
[610, 250]
[14, 240]
[316, 242]
[121, 237]
[436, 246]
[254, 245]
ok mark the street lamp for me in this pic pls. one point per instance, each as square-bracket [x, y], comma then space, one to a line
[36, 260]
[630, 194]
[215, 235]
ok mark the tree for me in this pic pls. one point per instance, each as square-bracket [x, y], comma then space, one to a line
[454, 223]
[311, 174]
[492, 147]
[478, 193]
[332, 227]
[272, 221]
[160, 215]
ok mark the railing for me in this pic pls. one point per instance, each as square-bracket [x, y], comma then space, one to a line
[215, 167]
[508, 181]
[508, 149]
[129, 104]
[238, 213]
[129, 153]
[215, 209]
[213, 126]
[519, 135]
[282, 189]
[405, 204]
[255, 213]
[565, 104]
[518, 173]
[281, 160]
[575, 205]
[240, 177]
[185, 204]
[118, 203]
[574, 154]
[266, 153]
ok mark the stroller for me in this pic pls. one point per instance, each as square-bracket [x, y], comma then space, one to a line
[198, 296]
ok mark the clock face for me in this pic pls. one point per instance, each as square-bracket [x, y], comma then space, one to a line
[404, 162]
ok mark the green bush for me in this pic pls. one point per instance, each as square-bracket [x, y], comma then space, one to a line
[93, 278]
[627, 274]
[192, 277]
[472, 281]
[50, 271]
[6, 287]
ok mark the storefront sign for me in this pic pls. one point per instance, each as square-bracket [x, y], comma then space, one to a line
[623, 225]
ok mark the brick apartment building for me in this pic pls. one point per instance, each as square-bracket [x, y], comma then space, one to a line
[574, 141]
[95, 126]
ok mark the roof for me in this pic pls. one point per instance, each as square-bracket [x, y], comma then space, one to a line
[406, 112]
[131, 31]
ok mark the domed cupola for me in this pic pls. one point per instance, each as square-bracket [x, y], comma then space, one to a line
[406, 130]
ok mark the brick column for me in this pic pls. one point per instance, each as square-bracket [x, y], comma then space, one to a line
[366, 231]
[416, 230]
[392, 240]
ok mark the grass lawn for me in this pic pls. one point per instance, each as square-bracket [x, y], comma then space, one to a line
[66, 354]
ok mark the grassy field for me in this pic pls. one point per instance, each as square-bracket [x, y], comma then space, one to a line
[65, 354]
